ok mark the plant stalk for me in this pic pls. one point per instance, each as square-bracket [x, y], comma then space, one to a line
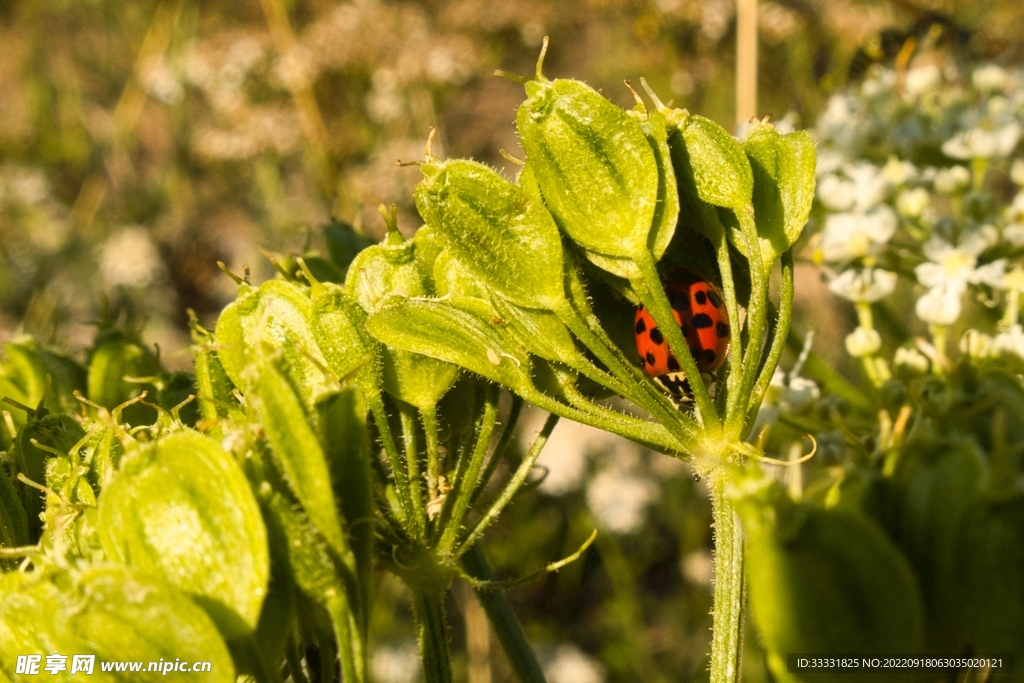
[432, 632]
[503, 620]
[726, 641]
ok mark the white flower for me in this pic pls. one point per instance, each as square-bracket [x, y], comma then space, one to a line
[1017, 172]
[976, 344]
[922, 79]
[949, 264]
[868, 285]
[881, 82]
[898, 172]
[870, 185]
[698, 567]
[940, 305]
[989, 78]
[619, 500]
[1009, 343]
[952, 180]
[980, 143]
[863, 341]
[836, 194]
[912, 203]
[396, 664]
[130, 258]
[570, 665]
[854, 235]
[911, 359]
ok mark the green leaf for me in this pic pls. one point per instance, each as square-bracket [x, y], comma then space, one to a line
[181, 508]
[593, 165]
[824, 581]
[508, 240]
[343, 244]
[440, 330]
[113, 613]
[297, 449]
[347, 449]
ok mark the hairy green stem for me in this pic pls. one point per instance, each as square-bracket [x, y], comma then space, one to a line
[429, 417]
[466, 479]
[757, 314]
[380, 416]
[412, 462]
[351, 652]
[507, 431]
[510, 490]
[503, 619]
[776, 345]
[432, 632]
[726, 639]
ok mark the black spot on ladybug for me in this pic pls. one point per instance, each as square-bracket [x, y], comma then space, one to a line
[656, 336]
[715, 301]
[709, 355]
[723, 330]
[700, 298]
[649, 358]
[640, 326]
[673, 364]
[701, 321]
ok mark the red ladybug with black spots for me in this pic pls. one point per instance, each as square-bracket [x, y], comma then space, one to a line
[699, 310]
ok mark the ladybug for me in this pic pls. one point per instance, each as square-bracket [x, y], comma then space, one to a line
[699, 310]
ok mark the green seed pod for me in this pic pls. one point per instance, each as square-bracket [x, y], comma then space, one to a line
[387, 270]
[783, 172]
[180, 508]
[595, 167]
[540, 332]
[297, 449]
[116, 355]
[277, 315]
[214, 389]
[824, 581]
[440, 330]
[989, 576]
[111, 612]
[73, 497]
[58, 433]
[453, 279]
[939, 480]
[30, 366]
[339, 331]
[507, 239]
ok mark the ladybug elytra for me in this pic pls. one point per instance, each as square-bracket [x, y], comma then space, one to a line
[699, 310]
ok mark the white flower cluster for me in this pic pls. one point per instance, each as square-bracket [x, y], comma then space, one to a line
[906, 164]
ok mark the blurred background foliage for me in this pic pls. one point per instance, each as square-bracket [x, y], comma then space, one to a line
[141, 142]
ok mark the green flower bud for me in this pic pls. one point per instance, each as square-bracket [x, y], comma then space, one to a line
[181, 508]
[824, 581]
